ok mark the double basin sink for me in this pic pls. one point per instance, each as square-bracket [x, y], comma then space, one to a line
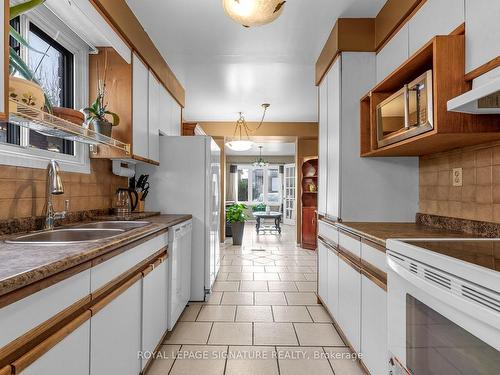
[88, 232]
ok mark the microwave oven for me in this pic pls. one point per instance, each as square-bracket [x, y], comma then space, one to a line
[406, 113]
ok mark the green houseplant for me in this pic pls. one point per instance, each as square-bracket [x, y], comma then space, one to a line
[97, 113]
[236, 216]
[25, 88]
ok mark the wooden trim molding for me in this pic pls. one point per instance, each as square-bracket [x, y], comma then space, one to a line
[37, 352]
[392, 17]
[145, 160]
[485, 68]
[117, 282]
[350, 234]
[348, 34]
[35, 336]
[375, 245]
[114, 294]
[123, 19]
[365, 34]
[346, 258]
[7, 370]
[28, 290]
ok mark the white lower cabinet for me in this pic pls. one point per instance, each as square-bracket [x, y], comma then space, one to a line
[349, 316]
[154, 308]
[374, 326]
[323, 272]
[333, 282]
[68, 356]
[116, 335]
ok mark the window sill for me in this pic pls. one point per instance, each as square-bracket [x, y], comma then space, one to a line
[34, 158]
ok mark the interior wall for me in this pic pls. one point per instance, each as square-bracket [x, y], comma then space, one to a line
[306, 149]
[477, 199]
[23, 190]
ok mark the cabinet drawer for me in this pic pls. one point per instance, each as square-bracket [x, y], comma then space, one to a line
[350, 242]
[328, 231]
[374, 255]
[18, 318]
[114, 267]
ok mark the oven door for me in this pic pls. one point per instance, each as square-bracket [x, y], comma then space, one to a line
[438, 323]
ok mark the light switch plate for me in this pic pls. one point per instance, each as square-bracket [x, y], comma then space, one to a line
[457, 176]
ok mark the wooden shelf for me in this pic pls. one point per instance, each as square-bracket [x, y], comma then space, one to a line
[445, 55]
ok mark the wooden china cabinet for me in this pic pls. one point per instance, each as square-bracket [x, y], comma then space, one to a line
[309, 203]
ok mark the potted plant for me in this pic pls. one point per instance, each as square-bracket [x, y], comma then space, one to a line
[235, 215]
[25, 88]
[97, 112]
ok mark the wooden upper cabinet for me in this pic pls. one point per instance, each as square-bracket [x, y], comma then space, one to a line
[445, 56]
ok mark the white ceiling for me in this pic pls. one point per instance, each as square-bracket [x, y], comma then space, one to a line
[268, 149]
[226, 68]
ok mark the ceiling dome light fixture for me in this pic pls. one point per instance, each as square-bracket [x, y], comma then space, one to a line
[241, 140]
[253, 12]
[260, 162]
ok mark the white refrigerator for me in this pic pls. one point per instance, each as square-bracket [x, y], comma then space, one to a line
[188, 182]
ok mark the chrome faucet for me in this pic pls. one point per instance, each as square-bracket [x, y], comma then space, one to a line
[54, 187]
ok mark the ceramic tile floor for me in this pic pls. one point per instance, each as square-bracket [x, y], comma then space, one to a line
[261, 319]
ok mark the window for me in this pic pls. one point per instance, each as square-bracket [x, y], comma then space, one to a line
[259, 185]
[53, 68]
[242, 184]
[61, 67]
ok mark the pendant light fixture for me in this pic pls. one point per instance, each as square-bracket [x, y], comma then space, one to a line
[241, 140]
[253, 12]
[260, 162]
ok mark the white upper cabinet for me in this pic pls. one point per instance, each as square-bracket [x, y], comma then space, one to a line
[170, 114]
[165, 111]
[436, 17]
[323, 146]
[394, 53]
[154, 118]
[482, 41]
[175, 122]
[140, 85]
[333, 179]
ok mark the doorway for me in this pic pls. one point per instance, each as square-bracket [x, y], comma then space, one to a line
[289, 194]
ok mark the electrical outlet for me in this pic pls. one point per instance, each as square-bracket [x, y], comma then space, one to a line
[457, 176]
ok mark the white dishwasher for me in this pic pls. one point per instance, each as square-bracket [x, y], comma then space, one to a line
[179, 270]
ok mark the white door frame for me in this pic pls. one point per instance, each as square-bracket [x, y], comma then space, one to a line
[289, 191]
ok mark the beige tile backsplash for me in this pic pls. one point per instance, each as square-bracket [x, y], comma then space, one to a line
[22, 190]
[479, 196]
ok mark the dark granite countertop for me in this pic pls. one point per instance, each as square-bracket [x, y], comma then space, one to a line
[22, 264]
[379, 232]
